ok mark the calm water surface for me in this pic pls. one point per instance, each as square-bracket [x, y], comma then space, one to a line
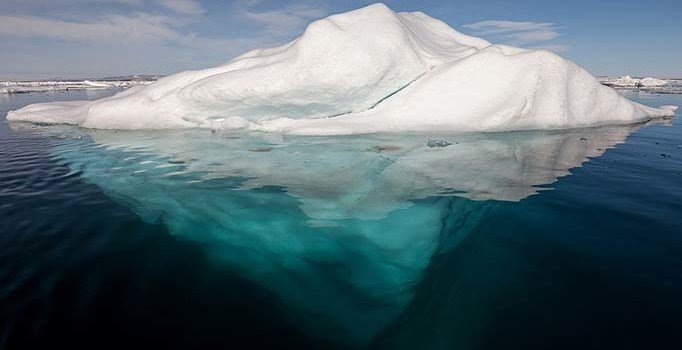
[184, 239]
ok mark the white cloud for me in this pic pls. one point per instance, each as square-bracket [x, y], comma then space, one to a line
[131, 2]
[139, 35]
[495, 26]
[112, 28]
[140, 28]
[553, 48]
[185, 7]
[516, 33]
[182, 7]
[275, 24]
[283, 21]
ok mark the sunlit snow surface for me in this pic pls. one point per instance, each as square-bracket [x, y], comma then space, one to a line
[341, 229]
[366, 71]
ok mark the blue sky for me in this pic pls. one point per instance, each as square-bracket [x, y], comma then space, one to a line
[95, 38]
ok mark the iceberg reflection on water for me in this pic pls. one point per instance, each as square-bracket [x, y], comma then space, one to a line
[341, 229]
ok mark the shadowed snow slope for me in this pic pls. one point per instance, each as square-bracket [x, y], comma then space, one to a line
[368, 70]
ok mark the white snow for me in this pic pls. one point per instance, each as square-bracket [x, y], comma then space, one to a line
[368, 70]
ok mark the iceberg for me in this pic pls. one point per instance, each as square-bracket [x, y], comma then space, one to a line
[366, 71]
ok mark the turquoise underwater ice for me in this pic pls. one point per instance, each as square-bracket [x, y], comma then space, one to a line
[340, 229]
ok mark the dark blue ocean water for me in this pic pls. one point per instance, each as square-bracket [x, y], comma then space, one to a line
[187, 239]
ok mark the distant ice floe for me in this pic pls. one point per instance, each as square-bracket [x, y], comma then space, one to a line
[21, 87]
[664, 86]
[628, 81]
[366, 71]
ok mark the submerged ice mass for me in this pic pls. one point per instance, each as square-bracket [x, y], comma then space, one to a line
[341, 237]
[368, 70]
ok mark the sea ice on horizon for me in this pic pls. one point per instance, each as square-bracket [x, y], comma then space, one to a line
[23, 87]
[368, 70]
[628, 81]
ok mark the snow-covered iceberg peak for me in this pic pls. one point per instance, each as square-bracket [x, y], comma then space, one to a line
[368, 70]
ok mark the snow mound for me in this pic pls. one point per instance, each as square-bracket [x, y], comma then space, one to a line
[368, 70]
